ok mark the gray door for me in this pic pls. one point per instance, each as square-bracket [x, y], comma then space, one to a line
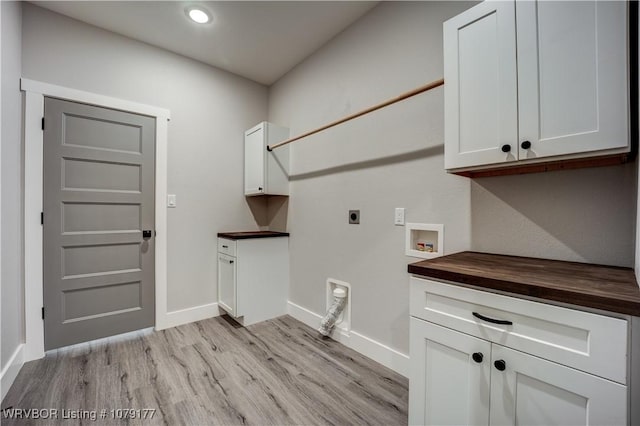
[98, 198]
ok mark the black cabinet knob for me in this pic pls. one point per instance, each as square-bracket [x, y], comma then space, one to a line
[477, 357]
[525, 145]
[506, 148]
[500, 365]
[260, 188]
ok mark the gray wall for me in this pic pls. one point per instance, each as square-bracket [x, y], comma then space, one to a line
[387, 159]
[11, 190]
[210, 109]
[391, 158]
[585, 215]
[581, 215]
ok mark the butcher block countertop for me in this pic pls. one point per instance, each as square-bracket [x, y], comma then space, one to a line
[251, 234]
[609, 288]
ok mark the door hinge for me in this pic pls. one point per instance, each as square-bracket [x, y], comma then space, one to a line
[42, 123]
[41, 218]
[43, 312]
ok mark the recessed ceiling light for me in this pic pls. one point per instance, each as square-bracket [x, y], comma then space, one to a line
[198, 14]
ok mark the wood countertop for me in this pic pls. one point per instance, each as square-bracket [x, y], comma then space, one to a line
[609, 288]
[251, 234]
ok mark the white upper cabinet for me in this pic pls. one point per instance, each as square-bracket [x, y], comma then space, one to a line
[565, 96]
[480, 85]
[266, 172]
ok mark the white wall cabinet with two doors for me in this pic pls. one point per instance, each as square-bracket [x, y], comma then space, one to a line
[266, 172]
[535, 81]
[536, 364]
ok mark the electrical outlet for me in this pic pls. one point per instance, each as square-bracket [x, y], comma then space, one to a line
[354, 217]
[399, 217]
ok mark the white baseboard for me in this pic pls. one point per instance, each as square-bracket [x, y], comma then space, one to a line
[185, 316]
[368, 347]
[11, 370]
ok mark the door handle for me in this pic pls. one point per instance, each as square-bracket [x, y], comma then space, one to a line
[146, 234]
[491, 320]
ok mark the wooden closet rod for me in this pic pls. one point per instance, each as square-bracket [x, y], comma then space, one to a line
[402, 97]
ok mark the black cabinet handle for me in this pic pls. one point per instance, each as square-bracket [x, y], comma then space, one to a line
[491, 320]
[500, 365]
[260, 188]
[477, 357]
[225, 246]
[525, 145]
[506, 148]
[231, 261]
[146, 234]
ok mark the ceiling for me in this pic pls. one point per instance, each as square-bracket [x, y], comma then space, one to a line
[259, 40]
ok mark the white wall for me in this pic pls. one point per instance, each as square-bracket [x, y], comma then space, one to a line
[387, 159]
[210, 109]
[585, 215]
[11, 179]
[393, 158]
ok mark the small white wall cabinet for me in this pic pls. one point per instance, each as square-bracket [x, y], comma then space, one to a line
[253, 278]
[535, 81]
[543, 365]
[266, 172]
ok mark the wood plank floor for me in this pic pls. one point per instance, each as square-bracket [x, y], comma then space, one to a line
[214, 372]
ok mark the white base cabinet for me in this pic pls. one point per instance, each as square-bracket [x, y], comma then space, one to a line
[534, 391]
[446, 386]
[253, 278]
[464, 372]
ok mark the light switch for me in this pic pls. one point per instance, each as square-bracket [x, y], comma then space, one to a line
[399, 217]
[171, 200]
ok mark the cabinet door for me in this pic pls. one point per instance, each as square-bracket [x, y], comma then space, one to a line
[572, 76]
[533, 391]
[480, 94]
[227, 284]
[254, 160]
[446, 385]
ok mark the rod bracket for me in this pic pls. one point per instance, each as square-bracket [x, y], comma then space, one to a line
[269, 148]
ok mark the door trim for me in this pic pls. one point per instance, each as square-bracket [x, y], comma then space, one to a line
[35, 92]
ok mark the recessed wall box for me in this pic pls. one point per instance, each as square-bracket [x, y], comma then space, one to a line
[424, 240]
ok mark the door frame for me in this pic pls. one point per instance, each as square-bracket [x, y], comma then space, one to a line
[35, 92]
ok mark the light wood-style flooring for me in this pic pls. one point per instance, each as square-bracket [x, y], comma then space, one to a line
[213, 372]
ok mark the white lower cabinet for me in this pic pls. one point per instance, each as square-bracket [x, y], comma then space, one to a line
[227, 283]
[253, 278]
[462, 379]
[446, 386]
[534, 391]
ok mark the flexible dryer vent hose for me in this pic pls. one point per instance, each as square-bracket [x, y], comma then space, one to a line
[336, 308]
